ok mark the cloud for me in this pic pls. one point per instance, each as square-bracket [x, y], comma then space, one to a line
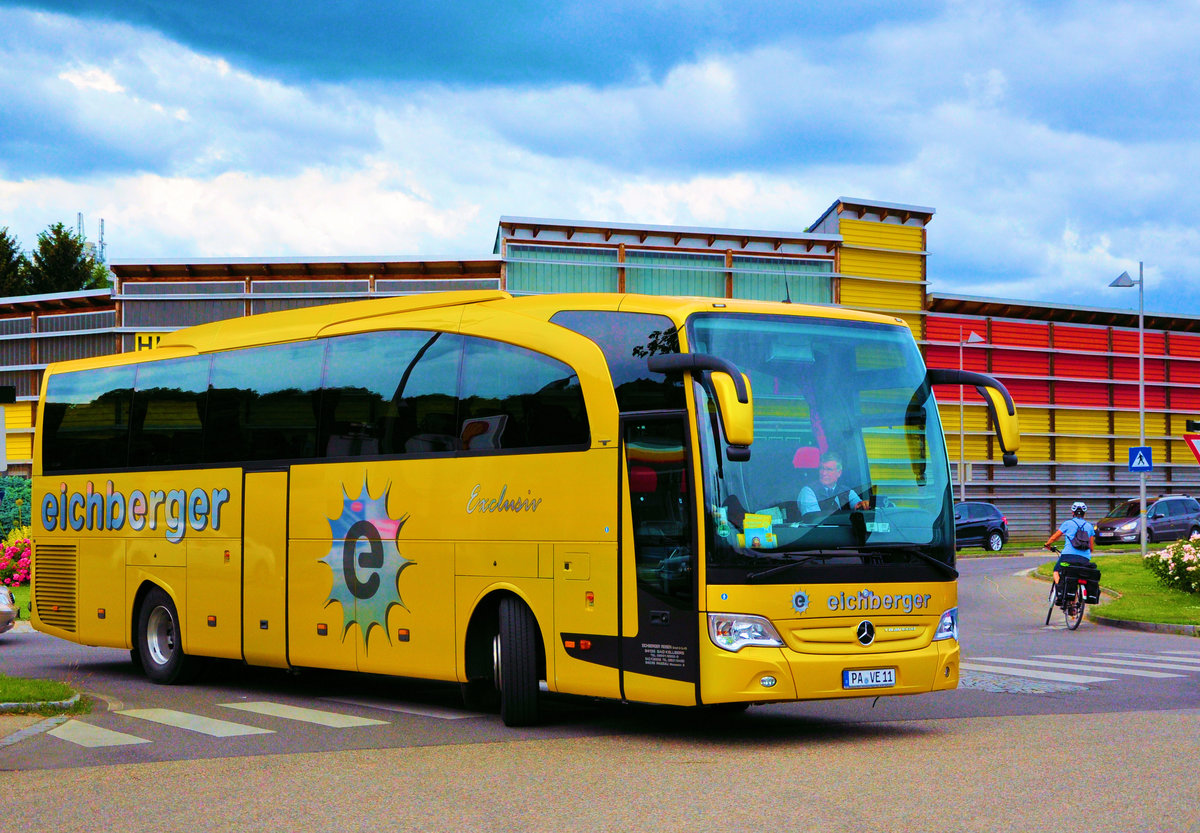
[1057, 141]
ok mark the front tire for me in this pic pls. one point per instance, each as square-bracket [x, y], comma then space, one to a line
[516, 659]
[159, 646]
[1053, 599]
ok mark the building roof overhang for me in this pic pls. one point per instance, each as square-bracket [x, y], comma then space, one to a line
[217, 269]
[939, 303]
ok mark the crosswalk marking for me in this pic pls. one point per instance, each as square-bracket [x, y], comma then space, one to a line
[1162, 666]
[93, 737]
[321, 718]
[393, 706]
[1080, 664]
[195, 723]
[1033, 674]
[1174, 657]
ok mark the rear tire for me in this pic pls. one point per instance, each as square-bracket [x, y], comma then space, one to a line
[1074, 610]
[159, 647]
[516, 659]
[994, 541]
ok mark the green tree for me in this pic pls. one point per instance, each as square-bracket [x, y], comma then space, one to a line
[14, 268]
[61, 264]
[15, 506]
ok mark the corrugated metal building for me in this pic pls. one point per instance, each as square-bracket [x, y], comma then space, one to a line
[1072, 371]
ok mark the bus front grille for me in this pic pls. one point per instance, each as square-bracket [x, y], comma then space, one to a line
[55, 568]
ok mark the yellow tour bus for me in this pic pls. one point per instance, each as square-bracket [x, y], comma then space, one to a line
[663, 500]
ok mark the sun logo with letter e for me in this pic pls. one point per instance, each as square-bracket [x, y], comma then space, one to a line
[366, 562]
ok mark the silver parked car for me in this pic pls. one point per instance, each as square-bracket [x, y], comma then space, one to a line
[1168, 518]
[8, 609]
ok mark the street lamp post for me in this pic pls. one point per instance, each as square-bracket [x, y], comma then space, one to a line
[1124, 280]
[973, 338]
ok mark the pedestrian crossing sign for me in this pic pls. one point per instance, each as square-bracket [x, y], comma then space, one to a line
[1141, 458]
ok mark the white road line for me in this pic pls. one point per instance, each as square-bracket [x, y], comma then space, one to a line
[1162, 666]
[1189, 653]
[321, 718]
[393, 706]
[195, 723]
[93, 737]
[1078, 665]
[1151, 656]
[1036, 675]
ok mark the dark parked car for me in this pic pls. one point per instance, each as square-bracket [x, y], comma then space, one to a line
[1168, 518]
[979, 525]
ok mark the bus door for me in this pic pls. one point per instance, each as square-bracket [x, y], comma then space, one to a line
[659, 659]
[264, 568]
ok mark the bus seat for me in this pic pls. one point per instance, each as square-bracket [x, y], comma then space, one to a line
[807, 457]
[642, 480]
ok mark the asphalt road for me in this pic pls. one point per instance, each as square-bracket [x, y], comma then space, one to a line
[1122, 749]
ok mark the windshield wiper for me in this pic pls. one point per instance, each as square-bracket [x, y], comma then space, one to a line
[928, 559]
[796, 562]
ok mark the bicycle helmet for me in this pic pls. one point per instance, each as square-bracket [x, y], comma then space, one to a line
[1078, 508]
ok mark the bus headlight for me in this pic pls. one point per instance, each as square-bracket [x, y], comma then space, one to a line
[948, 627]
[735, 631]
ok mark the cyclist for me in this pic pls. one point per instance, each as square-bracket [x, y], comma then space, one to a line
[1074, 531]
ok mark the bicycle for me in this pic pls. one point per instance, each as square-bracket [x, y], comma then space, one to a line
[1072, 595]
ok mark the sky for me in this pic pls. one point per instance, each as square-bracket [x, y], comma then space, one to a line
[1058, 142]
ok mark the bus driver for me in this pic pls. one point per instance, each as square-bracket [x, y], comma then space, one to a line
[827, 496]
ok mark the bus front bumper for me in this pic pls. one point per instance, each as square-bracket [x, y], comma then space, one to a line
[761, 674]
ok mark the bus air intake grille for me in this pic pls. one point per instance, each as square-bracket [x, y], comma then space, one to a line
[55, 567]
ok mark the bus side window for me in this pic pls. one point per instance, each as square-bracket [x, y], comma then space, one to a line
[86, 419]
[262, 403]
[389, 393]
[167, 424]
[511, 397]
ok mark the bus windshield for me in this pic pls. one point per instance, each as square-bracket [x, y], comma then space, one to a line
[848, 466]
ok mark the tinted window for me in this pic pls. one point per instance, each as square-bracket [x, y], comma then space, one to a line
[391, 393]
[627, 340]
[511, 397]
[168, 412]
[263, 403]
[1192, 505]
[85, 424]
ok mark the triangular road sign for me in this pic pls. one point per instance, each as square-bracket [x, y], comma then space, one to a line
[1193, 441]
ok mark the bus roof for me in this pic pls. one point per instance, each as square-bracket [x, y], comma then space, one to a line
[312, 322]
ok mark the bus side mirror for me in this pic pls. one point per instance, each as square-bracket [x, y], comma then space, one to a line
[737, 417]
[732, 390]
[999, 402]
[8, 394]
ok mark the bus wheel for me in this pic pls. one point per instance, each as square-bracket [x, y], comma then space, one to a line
[159, 644]
[516, 664]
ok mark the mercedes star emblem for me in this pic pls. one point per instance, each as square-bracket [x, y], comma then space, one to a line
[866, 632]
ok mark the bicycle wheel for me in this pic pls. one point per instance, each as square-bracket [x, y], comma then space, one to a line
[1073, 609]
[1053, 596]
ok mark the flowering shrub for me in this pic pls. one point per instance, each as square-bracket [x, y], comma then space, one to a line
[14, 563]
[1178, 565]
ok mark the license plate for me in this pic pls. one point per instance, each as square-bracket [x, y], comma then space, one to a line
[1106, 535]
[869, 678]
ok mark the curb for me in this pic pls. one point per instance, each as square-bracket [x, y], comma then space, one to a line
[35, 729]
[34, 705]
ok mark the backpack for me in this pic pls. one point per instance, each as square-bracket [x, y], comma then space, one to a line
[1080, 539]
